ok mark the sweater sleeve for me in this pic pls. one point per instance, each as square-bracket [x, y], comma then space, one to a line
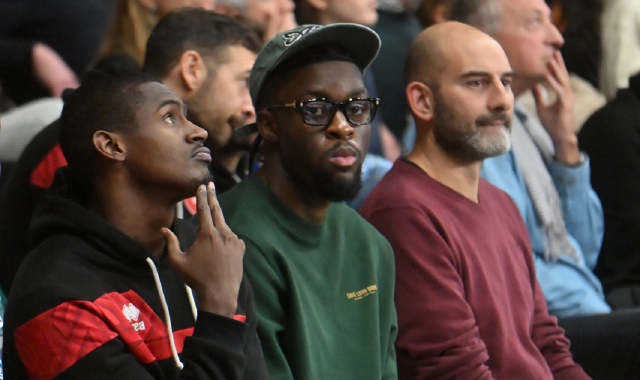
[438, 335]
[550, 339]
[269, 288]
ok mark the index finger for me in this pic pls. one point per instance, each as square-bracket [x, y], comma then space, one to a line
[216, 210]
[204, 212]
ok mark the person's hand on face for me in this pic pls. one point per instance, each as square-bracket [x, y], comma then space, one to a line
[557, 117]
[212, 267]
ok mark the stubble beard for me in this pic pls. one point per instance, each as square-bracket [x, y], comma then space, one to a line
[467, 142]
[335, 189]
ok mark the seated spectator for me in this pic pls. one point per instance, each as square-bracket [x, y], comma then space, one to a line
[206, 59]
[323, 276]
[544, 171]
[274, 15]
[579, 23]
[105, 286]
[359, 12]
[611, 137]
[31, 175]
[469, 305]
[40, 52]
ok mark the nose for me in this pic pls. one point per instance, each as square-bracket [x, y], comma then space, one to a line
[195, 133]
[247, 110]
[554, 37]
[340, 128]
[500, 97]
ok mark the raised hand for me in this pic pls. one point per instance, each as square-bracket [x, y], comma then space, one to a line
[212, 267]
[557, 118]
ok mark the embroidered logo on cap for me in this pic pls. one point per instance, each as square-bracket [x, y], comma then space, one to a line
[291, 37]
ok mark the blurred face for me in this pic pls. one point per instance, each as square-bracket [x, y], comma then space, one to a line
[165, 150]
[355, 11]
[323, 161]
[275, 15]
[528, 37]
[474, 103]
[167, 6]
[223, 102]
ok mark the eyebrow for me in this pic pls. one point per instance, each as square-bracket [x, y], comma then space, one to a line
[471, 74]
[321, 94]
[175, 102]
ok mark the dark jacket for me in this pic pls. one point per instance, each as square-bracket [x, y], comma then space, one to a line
[611, 138]
[25, 186]
[86, 304]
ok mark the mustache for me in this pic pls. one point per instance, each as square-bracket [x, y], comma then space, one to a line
[492, 118]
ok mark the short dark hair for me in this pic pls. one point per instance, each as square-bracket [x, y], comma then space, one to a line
[196, 29]
[104, 102]
[312, 55]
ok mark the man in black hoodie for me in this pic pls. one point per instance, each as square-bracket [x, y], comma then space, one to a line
[106, 293]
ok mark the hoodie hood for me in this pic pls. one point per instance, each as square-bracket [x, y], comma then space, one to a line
[60, 213]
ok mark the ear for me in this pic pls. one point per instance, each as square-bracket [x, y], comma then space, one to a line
[109, 145]
[267, 126]
[421, 102]
[320, 5]
[193, 70]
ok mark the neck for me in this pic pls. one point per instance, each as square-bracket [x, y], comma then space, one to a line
[463, 178]
[307, 205]
[138, 214]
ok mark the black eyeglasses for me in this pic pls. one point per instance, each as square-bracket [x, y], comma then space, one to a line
[320, 112]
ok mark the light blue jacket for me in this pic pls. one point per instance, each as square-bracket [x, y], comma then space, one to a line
[570, 288]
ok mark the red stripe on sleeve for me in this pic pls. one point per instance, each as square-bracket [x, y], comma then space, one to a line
[42, 176]
[56, 339]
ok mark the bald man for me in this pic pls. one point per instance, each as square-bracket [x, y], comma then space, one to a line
[469, 305]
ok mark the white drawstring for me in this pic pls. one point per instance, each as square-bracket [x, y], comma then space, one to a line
[192, 302]
[165, 308]
[179, 210]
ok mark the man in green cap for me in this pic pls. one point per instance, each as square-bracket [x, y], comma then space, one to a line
[323, 277]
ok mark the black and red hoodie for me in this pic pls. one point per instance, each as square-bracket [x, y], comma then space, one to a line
[90, 303]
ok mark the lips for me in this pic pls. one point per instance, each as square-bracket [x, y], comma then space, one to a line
[344, 156]
[202, 154]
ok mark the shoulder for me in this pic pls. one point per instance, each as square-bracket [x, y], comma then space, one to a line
[397, 189]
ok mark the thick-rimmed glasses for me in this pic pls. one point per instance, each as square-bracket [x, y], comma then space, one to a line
[320, 112]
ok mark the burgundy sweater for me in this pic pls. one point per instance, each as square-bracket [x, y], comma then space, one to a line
[469, 305]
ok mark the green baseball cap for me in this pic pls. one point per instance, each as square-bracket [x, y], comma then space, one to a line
[361, 42]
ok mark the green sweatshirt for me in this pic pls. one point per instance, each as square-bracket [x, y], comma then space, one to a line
[323, 292]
